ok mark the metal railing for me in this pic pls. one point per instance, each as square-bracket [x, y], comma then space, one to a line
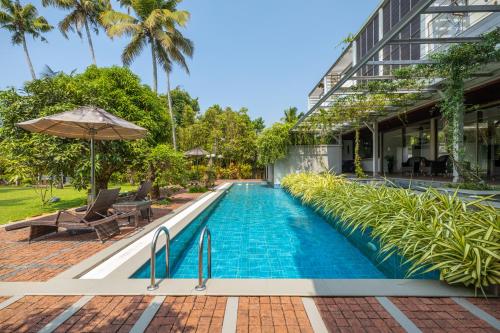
[154, 285]
[201, 283]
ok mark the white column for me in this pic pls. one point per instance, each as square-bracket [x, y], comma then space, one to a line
[380, 36]
[354, 53]
[375, 149]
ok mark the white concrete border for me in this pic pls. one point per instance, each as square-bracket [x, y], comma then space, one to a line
[317, 323]
[230, 315]
[478, 312]
[65, 315]
[143, 322]
[9, 301]
[398, 315]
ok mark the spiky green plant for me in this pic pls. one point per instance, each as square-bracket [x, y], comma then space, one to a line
[432, 230]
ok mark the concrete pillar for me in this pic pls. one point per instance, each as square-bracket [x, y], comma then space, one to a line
[380, 36]
[434, 139]
[375, 149]
[340, 151]
[354, 53]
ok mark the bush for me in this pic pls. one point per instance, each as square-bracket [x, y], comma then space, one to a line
[197, 189]
[433, 231]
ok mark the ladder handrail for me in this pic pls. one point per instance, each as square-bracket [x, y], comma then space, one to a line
[154, 285]
[201, 284]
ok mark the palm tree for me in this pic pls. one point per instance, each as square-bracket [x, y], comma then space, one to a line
[20, 21]
[84, 14]
[292, 115]
[155, 24]
[179, 48]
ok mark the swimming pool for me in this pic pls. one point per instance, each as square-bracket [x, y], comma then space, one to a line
[262, 232]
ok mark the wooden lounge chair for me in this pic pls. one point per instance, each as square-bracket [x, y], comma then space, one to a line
[141, 194]
[97, 217]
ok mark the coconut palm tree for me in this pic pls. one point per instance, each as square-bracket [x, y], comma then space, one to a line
[292, 115]
[154, 23]
[83, 14]
[179, 48]
[21, 21]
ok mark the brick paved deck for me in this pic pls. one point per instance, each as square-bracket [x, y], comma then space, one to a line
[191, 313]
[254, 314]
[272, 314]
[355, 313]
[31, 313]
[441, 314]
[44, 259]
[107, 314]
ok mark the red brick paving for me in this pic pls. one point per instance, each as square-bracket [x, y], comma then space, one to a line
[44, 259]
[355, 314]
[490, 305]
[31, 313]
[272, 314]
[3, 299]
[439, 315]
[189, 314]
[107, 314]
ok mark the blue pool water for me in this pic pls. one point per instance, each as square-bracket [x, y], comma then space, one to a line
[261, 232]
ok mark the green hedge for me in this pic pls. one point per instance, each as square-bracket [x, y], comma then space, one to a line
[433, 230]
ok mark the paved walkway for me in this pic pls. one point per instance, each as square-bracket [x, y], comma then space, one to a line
[44, 259]
[247, 314]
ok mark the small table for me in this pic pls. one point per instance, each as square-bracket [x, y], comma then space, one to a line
[133, 208]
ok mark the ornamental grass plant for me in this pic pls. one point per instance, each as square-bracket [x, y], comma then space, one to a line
[431, 230]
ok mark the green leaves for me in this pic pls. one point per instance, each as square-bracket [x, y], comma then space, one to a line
[273, 142]
[430, 230]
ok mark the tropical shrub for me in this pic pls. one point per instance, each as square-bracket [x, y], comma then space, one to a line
[165, 167]
[432, 231]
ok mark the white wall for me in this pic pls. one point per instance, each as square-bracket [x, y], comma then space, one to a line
[317, 158]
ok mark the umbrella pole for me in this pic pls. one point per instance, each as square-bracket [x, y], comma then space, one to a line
[92, 167]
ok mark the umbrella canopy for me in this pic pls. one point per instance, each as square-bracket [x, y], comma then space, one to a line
[83, 123]
[87, 122]
[196, 152]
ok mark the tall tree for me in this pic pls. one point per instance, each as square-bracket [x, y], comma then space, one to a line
[21, 21]
[155, 23]
[83, 14]
[292, 115]
[175, 52]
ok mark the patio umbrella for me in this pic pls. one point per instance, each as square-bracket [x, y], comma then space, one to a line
[196, 152]
[87, 122]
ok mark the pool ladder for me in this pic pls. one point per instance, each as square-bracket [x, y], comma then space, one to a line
[154, 285]
[201, 283]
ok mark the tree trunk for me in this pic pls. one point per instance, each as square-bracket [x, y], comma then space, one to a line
[89, 39]
[458, 144]
[155, 71]
[28, 59]
[155, 190]
[171, 111]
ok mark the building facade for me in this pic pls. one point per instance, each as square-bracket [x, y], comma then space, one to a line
[402, 33]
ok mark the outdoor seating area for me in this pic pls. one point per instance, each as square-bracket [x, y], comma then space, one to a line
[442, 166]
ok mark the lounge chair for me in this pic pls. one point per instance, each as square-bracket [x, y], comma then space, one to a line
[97, 217]
[141, 195]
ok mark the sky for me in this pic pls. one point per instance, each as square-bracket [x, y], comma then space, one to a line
[265, 55]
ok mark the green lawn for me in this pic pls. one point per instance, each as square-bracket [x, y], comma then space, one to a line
[17, 203]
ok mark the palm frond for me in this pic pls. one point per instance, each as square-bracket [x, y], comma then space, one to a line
[133, 49]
